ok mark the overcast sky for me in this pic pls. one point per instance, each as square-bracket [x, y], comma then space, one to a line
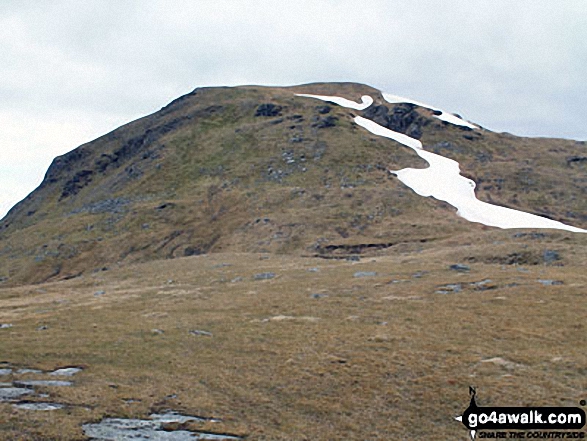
[73, 70]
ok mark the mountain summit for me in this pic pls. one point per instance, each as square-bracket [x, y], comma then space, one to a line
[277, 170]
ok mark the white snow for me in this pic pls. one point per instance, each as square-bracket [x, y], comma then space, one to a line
[444, 116]
[366, 101]
[443, 181]
[376, 129]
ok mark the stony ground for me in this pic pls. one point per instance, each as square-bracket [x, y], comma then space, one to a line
[272, 347]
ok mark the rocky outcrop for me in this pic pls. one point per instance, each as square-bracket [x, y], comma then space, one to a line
[576, 160]
[268, 109]
[402, 118]
[323, 123]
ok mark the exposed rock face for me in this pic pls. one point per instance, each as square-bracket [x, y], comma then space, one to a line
[323, 123]
[402, 118]
[268, 109]
[576, 160]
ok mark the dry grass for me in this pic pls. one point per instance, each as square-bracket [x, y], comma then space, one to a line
[381, 357]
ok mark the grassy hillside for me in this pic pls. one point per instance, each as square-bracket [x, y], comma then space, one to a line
[243, 255]
[254, 169]
[257, 169]
[380, 349]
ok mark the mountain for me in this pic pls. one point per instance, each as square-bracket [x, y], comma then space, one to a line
[265, 263]
[263, 169]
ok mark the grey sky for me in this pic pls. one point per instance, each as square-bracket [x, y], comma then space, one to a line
[72, 71]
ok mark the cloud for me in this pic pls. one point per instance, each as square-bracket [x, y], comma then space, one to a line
[76, 69]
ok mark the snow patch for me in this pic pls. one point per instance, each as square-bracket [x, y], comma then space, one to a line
[366, 100]
[443, 181]
[444, 116]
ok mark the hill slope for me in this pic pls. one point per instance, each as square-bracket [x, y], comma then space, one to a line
[259, 169]
[274, 326]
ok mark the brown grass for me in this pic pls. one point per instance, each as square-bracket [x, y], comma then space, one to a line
[381, 357]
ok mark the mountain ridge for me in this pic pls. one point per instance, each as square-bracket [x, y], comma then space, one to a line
[257, 169]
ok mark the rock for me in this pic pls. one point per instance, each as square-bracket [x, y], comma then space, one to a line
[5, 325]
[99, 293]
[29, 371]
[402, 118]
[122, 429]
[193, 251]
[460, 267]
[237, 279]
[75, 184]
[549, 282]
[200, 332]
[530, 235]
[40, 383]
[318, 296]
[323, 123]
[322, 110]
[264, 276]
[414, 131]
[450, 288]
[11, 393]
[359, 274]
[498, 361]
[165, 205]
[550, 256]
[42, 328]
[152, 429]
[157, 331]
[483, 285]
[268, 109]
[66, 372]
[38, 406]
[517, 258]
[7, 371]
[378, 114]
[112, 206]
[575, 160]
[313, 270]
[174, 417]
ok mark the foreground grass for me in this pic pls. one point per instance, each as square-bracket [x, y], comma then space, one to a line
[314, 353]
